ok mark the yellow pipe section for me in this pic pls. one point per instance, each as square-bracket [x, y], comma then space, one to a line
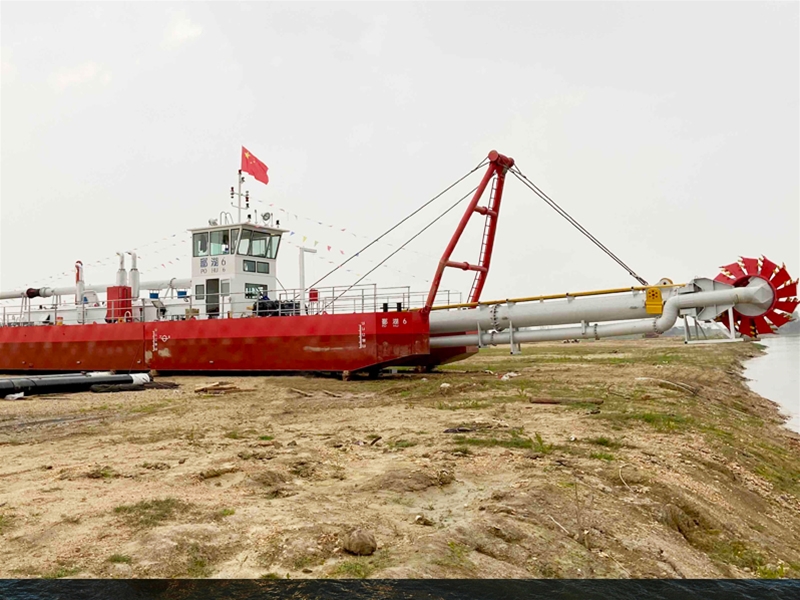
[555, 296]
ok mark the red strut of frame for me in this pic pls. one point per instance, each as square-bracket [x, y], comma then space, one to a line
[498, 165]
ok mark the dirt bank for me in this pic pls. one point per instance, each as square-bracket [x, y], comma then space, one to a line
[680, 471]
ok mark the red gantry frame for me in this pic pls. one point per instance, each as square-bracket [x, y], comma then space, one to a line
[498, 165]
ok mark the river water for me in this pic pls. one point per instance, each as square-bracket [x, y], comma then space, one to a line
[776, 375]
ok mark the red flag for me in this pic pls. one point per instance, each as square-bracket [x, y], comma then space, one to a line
[256, 168]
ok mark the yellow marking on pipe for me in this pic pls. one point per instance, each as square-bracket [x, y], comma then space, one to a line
[557, 296]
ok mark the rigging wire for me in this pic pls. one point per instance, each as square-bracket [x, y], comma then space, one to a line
[533, 187]
[387, 232]
[411, 239]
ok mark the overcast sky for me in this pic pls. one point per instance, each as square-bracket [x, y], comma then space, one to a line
[670, 130]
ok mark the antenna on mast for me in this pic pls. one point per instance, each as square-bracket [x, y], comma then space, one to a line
[238, 195]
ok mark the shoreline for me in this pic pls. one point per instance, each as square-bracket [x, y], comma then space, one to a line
[644, 458]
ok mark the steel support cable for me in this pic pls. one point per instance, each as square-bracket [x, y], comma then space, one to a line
[411, 239]
[550, 202]
[387, 232]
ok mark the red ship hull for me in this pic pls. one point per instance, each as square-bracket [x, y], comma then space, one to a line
[324, 343]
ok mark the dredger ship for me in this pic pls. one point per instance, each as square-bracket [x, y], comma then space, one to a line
[232, 316]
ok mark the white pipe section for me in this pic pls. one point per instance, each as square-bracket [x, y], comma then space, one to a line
[134, 276]
[757, 292]
[122, 275]
[46, 292]
[537, 313]
[80, 286]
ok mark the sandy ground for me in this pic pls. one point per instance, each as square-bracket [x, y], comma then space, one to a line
[684, 474]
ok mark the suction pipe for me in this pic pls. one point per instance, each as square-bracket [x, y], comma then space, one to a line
[757, 292]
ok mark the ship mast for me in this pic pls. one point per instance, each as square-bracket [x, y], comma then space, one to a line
[238, 195]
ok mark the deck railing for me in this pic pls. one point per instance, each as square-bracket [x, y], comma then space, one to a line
[290, 302]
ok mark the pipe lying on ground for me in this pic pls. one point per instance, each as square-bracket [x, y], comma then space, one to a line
[57, 384]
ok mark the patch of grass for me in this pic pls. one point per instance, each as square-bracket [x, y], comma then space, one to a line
[304, 561]
[455, 557]
[770, 572]
[149, 513]
[266, 438]
[662, 422]
[99, 472]
[198, 565]
[225, 512]
[737, 553]
[234, 435]
[462, 451]
[402, 500]
[61, 572]
[120, 559]
[402, 444]
[605, 443]
[514, 442]
[354, 569]
[270, 576]
[539, 444]
[602, 456]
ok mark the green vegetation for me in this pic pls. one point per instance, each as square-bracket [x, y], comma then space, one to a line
[270, 576]
[198, 565]
[266, 438]
[540, 446]
[400, 444]
[602, 456]
[120, 559]
[225, 512]
[149, 513]
[353, 569]
[99, 472]
[234, 435]
[60, 572]
[605, 442]
[455, 557]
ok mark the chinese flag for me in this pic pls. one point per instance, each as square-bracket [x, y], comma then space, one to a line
[256, 168]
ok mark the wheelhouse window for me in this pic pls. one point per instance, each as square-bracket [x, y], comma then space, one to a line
[254, 291]
[263, 268]
[244, 242]
[275, 241]
[234, 240]
[249, 266]
[220, 242]
[200, 244]
[260, 244]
